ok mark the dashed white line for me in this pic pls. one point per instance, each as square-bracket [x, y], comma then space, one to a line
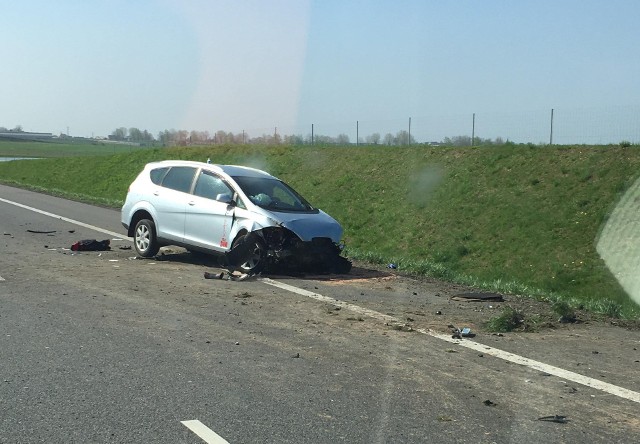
[511, 357]
[204, 432]
[66, 219]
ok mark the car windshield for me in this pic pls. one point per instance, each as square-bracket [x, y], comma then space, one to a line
[272, 194]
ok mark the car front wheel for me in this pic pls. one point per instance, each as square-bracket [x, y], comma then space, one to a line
[255, 257]
[144, 238]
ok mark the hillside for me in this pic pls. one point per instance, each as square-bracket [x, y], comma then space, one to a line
[520, 219]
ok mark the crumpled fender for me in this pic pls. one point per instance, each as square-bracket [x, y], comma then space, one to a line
[251, 224]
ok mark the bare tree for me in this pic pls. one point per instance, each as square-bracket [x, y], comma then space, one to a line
[294, 139]
[373, 139]
[402, 138]
[135, 135]
[119, 133]
[342, 139]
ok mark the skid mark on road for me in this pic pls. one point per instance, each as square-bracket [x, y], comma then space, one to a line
[66, 219]
[510, 357]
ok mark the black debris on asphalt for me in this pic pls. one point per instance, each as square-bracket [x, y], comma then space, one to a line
[91, 245]
[554, 418]
[478, 297]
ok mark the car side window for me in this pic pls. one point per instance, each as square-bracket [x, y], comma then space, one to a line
[209, 185]
[157, 174]
[179, 179]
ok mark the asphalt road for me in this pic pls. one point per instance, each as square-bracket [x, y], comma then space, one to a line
[100, 347]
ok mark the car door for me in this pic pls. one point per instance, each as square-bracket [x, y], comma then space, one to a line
[208, 221]
[170, 200]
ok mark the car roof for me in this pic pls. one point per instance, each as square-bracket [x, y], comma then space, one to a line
[230, 170]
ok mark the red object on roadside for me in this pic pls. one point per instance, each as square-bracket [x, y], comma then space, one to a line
[91, 245]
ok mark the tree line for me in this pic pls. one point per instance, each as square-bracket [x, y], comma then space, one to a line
[174, 137]
[182, 138]
[15, 129]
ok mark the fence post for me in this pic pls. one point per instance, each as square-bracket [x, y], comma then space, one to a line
[357, 133]
[551, 133]
[473, 129]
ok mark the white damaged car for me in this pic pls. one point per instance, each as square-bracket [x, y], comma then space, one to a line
[209, 208]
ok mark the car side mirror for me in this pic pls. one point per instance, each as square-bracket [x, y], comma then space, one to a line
[225, 198]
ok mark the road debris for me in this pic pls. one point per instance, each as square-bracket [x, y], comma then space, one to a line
[477, 297]
[228, 276]
[208, 275]
[400, 327]
[458, 333]
[91, 245]
[554, 418]
[41, 232]
[489, 403]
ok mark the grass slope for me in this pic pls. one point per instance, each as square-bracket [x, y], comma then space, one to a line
[519, 219]
[62, 148]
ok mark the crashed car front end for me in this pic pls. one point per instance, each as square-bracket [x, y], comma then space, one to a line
[295, 235]
[313, 246]
[286, 250]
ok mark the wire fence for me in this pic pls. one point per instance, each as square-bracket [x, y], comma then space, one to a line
[558, 126]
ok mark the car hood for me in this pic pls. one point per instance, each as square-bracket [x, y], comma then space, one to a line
[308, 225]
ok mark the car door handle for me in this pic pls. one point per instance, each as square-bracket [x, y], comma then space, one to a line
[156, 193]
[192, 203]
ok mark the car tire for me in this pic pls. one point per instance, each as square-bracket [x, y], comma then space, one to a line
[257, 262]
[144, 238]
[342, 265]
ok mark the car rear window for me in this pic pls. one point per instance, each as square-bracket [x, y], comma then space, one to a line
[179, 179]
[157, 175]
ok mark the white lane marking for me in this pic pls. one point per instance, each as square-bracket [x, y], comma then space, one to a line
[511, 357]
[204, 432]
[66, 219]
[1, 279]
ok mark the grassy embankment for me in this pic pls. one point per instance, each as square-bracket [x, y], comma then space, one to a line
[63, 148]
[517, 219]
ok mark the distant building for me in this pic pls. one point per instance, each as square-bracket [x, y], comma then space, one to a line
[22, 135]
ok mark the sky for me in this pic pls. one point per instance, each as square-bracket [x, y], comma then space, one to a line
[344, 66]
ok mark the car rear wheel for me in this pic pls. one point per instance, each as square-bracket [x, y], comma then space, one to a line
[144, 238]
[256, 257]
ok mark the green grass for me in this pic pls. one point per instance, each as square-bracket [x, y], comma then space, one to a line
[63, 148]
[509, 320]
[517, 219]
